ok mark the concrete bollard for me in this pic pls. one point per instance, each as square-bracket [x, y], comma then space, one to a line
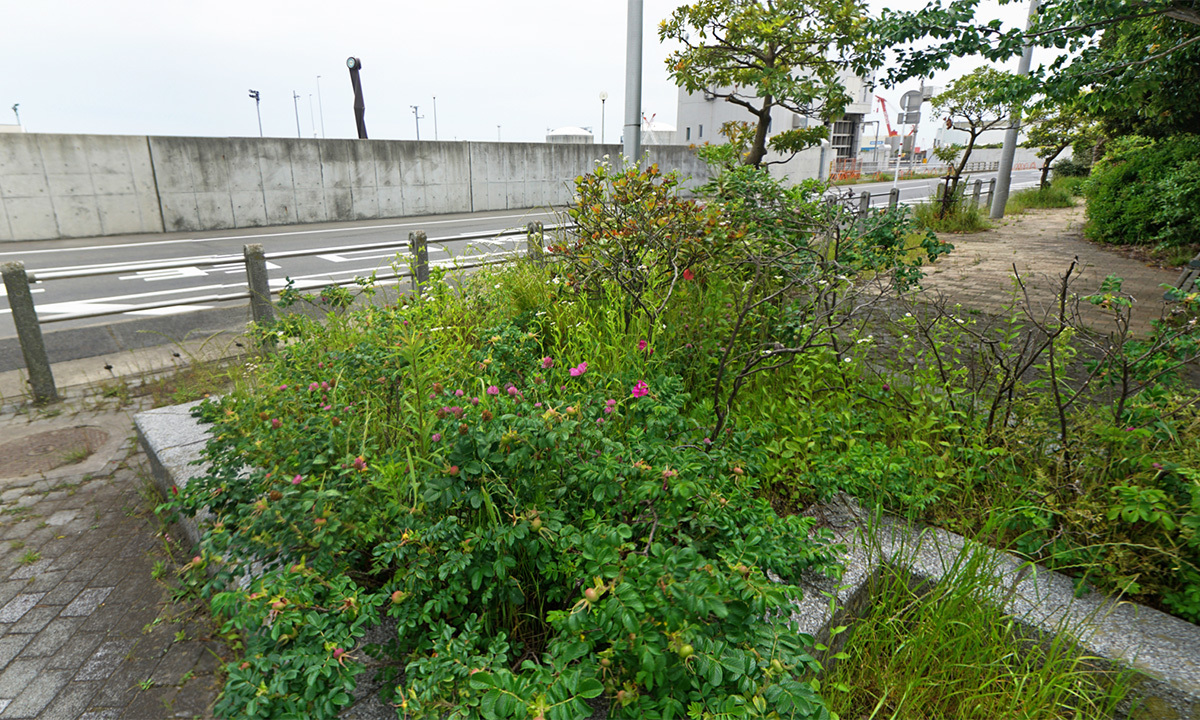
[975, 194]
[533, 242]
[29, 332]
[893, 198]
[420, 251]
[940, 192]
[991, 192]
[261, 308]
[864, 203]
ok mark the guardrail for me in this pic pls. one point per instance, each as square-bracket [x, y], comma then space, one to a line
[865, 198]
[259, 292]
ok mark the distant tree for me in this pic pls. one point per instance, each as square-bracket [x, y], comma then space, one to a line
[763, 54]
[1052, 127]
[974, 103]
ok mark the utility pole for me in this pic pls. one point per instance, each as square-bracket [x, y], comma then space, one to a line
[296, 105]
[255, 94]
[312, 116]
[1004, 174]
[417, 119]
[633, 85]
[435, 137]
[17, 113]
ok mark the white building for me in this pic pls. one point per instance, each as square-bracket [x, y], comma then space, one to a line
[701, 115]
[570, 135]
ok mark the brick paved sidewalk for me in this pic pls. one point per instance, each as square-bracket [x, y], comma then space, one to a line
[85, 630]
[1042, 244]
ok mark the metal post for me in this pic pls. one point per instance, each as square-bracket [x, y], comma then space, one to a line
[435, 135]
[633, 85]
[321, 106]
[893, 198]
[1009, 150]
[533, 242]
[420, 251]
[260, 288]
[29, 332]
[977, 191]
[296, 107]
[864, 203]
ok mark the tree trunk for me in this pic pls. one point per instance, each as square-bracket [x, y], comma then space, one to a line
[758, 148]
[1046, 165]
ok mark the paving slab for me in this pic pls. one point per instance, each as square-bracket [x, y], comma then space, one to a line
[77, 593]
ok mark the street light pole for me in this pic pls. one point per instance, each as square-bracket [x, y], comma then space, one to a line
[17, 113]
[255, 94]
[497, 133]
[603, 98]
[312, 116]
[417, 119]
[633, 84]
[321, 106]
[1009, 150]
[435, 137]
[296, 106]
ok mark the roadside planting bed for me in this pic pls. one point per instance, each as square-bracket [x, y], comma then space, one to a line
[592, 482]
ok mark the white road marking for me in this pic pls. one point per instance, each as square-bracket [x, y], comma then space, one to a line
[4, 290]
[422, 223]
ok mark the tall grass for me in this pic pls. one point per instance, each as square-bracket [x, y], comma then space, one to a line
[944, 651]
[1054, 195]
[964, 216]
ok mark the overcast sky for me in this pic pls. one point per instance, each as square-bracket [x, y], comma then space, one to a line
[157, 67]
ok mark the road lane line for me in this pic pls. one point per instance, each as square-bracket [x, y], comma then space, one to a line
[419, 224]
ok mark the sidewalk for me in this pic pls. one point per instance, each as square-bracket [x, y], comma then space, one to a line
[86, 629]
[1042, 244]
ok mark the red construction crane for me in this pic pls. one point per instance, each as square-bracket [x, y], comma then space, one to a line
[886, 116]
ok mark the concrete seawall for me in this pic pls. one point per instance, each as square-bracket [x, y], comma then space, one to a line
[63, 186]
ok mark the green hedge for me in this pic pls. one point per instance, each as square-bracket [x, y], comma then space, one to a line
[1146, 192]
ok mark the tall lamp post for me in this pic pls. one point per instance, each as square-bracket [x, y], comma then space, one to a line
[320, 106]
[360, 107]
[633, 85]
[417, 119]
[254, 94]
[435, 137]
[17, 113]
[603, 99]
[296, 106]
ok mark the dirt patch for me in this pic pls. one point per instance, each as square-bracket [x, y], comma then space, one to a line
[49, 450]
[1039, 246]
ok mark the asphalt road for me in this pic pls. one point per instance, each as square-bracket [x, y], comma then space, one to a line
[218, 268]
[215, 266]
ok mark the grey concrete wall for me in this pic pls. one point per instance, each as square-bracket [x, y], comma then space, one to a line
[54, 186]
[60, 186]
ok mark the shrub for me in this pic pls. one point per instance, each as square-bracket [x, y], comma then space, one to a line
[1070, 168]
[1146, 192]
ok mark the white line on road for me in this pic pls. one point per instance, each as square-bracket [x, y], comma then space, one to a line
[421, 223]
